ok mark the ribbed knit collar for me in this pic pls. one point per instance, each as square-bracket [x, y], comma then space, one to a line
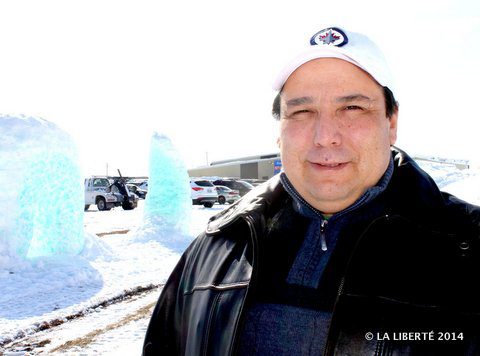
[304, 208]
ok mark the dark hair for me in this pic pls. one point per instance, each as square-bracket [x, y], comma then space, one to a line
[276, 106]
[391, 105]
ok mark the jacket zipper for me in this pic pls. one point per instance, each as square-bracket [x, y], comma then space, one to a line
[253, 278]
[328, 345]
[209, 323]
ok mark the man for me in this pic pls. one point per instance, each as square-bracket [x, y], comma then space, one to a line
[352, 250]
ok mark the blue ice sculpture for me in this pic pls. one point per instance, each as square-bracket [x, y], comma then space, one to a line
[42, 192]
[168, 203]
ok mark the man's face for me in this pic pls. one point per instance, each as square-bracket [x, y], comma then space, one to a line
[335, 136]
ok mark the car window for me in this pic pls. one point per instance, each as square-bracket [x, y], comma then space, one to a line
[245, 184]
[238, 186]
[203, 183]
[100, 182]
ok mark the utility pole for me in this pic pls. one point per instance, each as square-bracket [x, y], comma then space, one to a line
[107, 169]
[206, 156]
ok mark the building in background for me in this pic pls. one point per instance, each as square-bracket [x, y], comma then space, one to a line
[251, 167]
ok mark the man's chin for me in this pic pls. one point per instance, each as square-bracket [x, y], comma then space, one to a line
[330, 200]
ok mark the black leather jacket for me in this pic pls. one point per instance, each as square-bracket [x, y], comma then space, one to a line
[409, 287]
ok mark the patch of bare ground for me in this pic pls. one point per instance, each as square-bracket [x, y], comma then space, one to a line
[118, 232]
[90, 337]
[21, 339]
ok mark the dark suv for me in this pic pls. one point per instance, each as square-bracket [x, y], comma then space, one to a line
[235, 184]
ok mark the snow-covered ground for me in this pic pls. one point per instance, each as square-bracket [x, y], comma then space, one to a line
[464, 183]
[51, 291]
[100, 303]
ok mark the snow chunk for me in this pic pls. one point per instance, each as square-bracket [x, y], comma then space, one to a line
[43, 197]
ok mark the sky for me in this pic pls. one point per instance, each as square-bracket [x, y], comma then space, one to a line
[110, 73]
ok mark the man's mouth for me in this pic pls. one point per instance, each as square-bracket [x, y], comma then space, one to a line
[329, 164]
[336, 165]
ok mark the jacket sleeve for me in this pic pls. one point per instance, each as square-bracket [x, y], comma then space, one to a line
[162, 335]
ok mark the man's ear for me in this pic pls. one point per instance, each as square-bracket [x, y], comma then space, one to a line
[393, 127]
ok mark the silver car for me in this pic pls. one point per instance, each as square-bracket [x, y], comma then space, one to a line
[225, 194]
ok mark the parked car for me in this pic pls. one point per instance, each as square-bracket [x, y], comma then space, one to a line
[203, 193]
[107, 193]
[225, 194]
[143, 185]
[140, 183]
[97, 192]
[142, 194]
[235, 184]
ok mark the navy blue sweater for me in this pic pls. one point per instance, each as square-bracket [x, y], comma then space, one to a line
[292, 306]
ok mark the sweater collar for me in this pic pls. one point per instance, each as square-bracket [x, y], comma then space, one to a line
[304, 208]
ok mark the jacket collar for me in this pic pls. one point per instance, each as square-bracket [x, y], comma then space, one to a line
[257, 200]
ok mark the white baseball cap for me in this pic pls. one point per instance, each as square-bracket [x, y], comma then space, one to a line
[352, 47]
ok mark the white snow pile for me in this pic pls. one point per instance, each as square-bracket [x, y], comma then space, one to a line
[463, 183]
[168, 202]
[42, 188]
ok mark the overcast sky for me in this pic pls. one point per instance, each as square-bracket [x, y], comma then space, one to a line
[112, 72]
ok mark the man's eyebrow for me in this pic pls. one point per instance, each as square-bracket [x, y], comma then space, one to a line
[353, 97]
[299, 101]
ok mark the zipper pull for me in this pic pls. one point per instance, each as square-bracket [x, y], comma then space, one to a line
[323, 241]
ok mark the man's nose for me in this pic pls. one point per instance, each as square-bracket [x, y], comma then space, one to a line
[327, 131]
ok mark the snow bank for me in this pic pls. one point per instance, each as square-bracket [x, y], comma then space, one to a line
[168, 203]
[463, 183]
[42, 191]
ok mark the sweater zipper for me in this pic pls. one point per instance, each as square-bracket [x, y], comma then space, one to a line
[323, 224]
[323, 239]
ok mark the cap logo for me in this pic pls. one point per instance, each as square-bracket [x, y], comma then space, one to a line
[332, 36]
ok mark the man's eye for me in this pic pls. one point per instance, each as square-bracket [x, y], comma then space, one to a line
[298, 114]
[353, 107]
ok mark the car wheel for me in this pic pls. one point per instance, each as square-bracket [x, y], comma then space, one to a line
[101, 204]
[128, 205]
[221, 199]
[86, 207]
[208, 205]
